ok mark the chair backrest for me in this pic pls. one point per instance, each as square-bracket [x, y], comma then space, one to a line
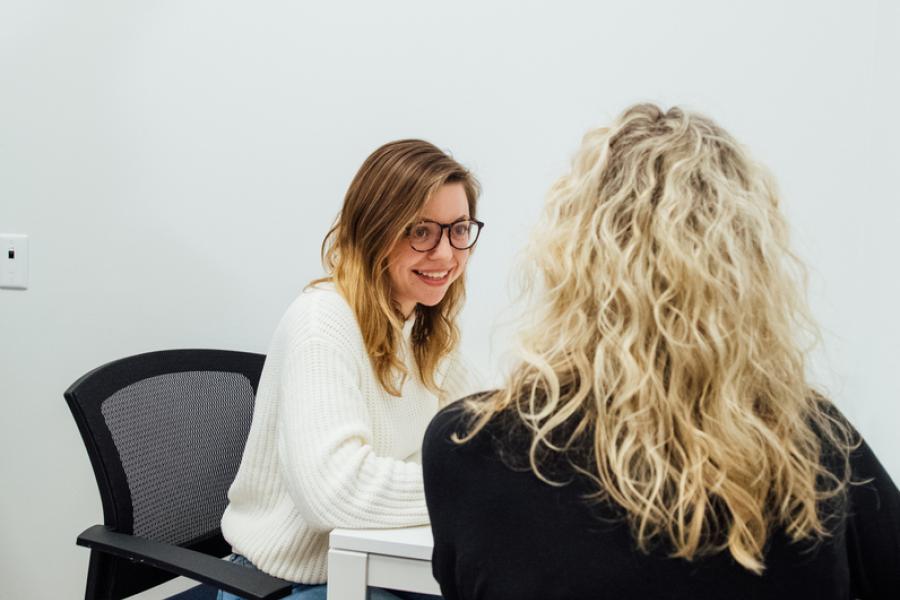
[165, 432]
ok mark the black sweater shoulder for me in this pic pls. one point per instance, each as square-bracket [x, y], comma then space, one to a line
[501, 532]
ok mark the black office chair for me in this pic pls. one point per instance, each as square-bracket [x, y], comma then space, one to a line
[165, 432]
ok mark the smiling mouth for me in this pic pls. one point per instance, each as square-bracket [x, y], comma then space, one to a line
[434, 277]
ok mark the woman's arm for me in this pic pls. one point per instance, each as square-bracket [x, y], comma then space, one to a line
[325, 444]
[441, 486]
[873, 529]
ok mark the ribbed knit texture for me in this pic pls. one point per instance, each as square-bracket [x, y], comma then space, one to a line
[328, 447]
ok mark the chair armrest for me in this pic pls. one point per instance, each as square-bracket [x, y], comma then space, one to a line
[231, 577]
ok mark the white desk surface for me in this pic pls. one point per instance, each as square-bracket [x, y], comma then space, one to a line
[408, 542]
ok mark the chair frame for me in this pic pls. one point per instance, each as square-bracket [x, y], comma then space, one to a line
[121, 563]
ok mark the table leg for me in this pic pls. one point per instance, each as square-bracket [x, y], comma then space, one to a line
[347, 575]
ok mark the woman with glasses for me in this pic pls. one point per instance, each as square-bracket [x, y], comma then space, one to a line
[357, 367]
[659, 437]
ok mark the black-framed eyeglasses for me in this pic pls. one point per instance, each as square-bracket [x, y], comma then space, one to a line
[425, 235]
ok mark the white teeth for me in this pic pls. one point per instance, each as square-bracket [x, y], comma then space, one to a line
[433, 274]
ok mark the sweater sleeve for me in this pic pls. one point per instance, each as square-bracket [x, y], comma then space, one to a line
[462, 379]
[325, 447]
[873, 529]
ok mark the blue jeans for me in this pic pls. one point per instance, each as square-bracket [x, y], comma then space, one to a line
[318, 591]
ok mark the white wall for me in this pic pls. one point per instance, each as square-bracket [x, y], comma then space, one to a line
[177, 163]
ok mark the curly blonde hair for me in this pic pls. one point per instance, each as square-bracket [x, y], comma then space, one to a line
[669, 333]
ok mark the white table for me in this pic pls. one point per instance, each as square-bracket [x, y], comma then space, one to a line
[399, 559]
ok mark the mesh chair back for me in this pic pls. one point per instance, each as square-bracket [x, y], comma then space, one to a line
[179, 437]
[165, 432]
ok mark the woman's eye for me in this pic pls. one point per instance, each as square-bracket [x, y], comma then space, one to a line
[460, 230]
[419, 232]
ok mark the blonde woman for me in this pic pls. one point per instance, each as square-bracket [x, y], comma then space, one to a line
[357, 368]
[659, 437]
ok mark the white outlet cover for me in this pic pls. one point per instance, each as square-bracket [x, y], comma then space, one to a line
[13, 261]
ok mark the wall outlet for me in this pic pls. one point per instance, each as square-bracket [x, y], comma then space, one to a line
[13, 261]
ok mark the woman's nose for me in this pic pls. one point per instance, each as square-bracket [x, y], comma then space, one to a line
[443, 249]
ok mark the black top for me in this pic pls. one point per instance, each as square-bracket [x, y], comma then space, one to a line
[503, 533]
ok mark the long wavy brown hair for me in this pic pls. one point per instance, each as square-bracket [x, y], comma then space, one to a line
[387, 194]
[668, 332]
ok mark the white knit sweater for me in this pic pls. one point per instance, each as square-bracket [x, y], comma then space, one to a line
[328, 447]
